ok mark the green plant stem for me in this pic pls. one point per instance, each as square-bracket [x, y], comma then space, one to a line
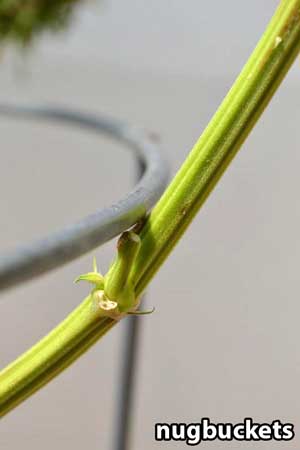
[211, 155]
[70, 339]
[220, 141]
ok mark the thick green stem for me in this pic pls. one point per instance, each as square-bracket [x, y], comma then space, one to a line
[211, 155]
[70, 339]
[220, 141]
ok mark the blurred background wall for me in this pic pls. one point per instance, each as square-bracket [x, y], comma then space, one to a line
[224, 340]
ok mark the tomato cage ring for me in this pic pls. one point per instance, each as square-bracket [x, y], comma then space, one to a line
[63, 246]
[58, 248]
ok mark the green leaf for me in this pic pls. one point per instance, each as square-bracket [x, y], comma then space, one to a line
[92, 277]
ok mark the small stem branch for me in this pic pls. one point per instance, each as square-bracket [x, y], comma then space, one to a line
[211, 155]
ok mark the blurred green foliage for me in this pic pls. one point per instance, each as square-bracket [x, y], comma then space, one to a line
[21, 20]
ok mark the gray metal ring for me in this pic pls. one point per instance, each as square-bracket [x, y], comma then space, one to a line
[63, 246]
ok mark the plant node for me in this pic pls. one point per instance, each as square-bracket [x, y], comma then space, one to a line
[114, 295]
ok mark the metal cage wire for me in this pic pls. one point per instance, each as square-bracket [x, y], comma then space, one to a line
[41, 256]
[63, 246]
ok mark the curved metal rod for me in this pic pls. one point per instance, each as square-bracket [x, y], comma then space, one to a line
[63, 246]
[124, 420]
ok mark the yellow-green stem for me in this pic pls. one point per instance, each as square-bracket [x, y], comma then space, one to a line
[220, 141]
[211, 155]
[50, 356]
